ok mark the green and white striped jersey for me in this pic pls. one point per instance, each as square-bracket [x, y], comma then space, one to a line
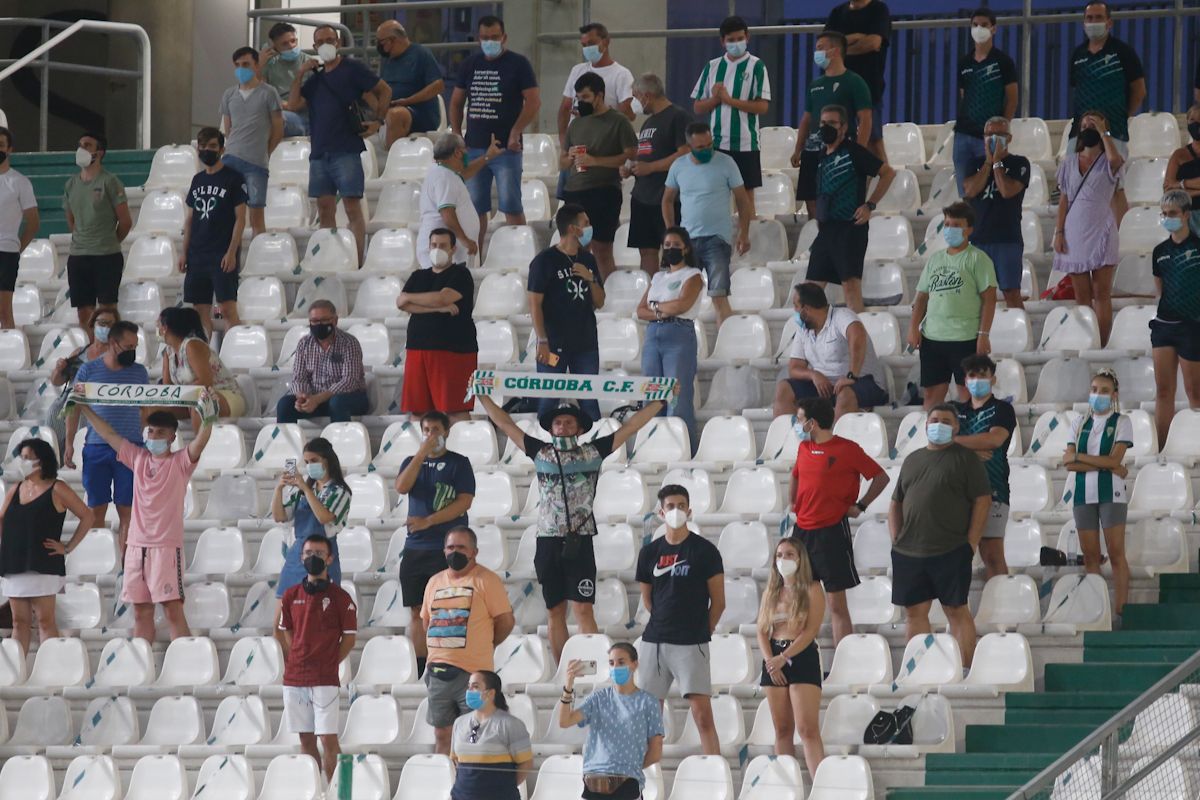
[744, 79]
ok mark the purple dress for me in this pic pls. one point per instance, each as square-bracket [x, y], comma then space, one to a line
[1091, 231]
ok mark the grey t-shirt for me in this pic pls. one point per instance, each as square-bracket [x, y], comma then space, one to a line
[938, 489]
[250, 121]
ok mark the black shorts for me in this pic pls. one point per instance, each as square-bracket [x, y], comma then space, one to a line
[1183, 337]
[629, 790]
[831, 552]
[749, 164]
[868, 393]
[565, 579]
[806, 179]
[646, 226]
[603, 207]
[942, 360]
[204, 281]
[416, 568]
[838, 252]
[94, 280]
[945, 578]
[804, 667]
[9, 264]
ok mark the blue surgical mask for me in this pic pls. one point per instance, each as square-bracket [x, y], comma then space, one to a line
[243, 74]
[102, 333]
[158, 447]
[1100, 403]
[620, 675]
[979, 387]
[316, 471]
[474, 699]
[736, 49]
[585, 236]
[591, 53]
[953, 236]
[1171, 224]
[291, 55]
[801, 434]
[799, 320]
[491, 48]
[820, 59]
[939, 432]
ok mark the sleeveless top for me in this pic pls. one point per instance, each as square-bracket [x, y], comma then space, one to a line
[26, 526]
[183, 375]
[667, 285]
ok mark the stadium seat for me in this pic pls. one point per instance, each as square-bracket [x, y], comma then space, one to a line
[391, 250]
[408, 159]
[884, 331]
[372, 720]
[842, 778]
[58, 343]
[288, 163]
[1069, 329]
[59, 663]
[866, 429]
[871, 601]
[497, 342]
[1031, 488]
[932, 726]
[351, 441]
[292, 777]
[703, 777]
[523, 659]
[944, 146]
[860, 661]
[751, 290]
[539, 155]
[370, 497]
[397, 206]
[90, 777]
[1008, 601]
[620, 493]
[873, 547]
[96, 554]
[188, 662]
[1031, 138]
[904, 144]
[254, 661]
[239, 720]
[1140, 231]
[43, 721]
[376, 343]
[495, 494]
[776, 196]
[1037, 194]
[140, 302]
[26, 777]
[174, 721]
[890, 237]
[227, 776]
[751, 490]
[330, 250]
[1171, 780]
[475, 439]
[846, 717]
[741, 603]
[1135, 276]
[150, 258]
[744, 546]
[883, 284]
[275, 444]
[725, 440]
[245, 347]
[286, 207]
[159, 777]
[622, 292]
[233, 496]
[376, 297]
[386, 661]
[933, 241]
[768, 242]
[1011, 332]
[776, 144]
[173, 167]
[943, 190]
[12, 665]
[400, 440]
[615, 548]
[664, 440]
[261, 299]
[424, 775]
[742, 337]
[929, 661]
[1162, 488]
[620, 340]
[903, 195]
[771, 777]
[27, 304]
[1031, 233]
[161, 211]
[559, 776]
[79, 607]
[1003, 663]
[536, 201]
[1063, 381]
[502, 295]
[39, 262]
[1077, 603]
[218, 551]
[1144, 179]
[1152, 133]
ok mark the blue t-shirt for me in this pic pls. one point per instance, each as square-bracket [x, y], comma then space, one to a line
[494, 95]
[441, 481]
[125, 420]
[214, 200]
[704, 192]
[330, 94]
[619, 729]
[409, 73]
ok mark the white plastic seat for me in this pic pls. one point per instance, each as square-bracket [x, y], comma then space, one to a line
[426, 775]
[1063, 381]
[619, 339]
[536, 202]
[1022, 543]
[318, 287]
[475, 439]
[376, 297]
[742, 337]
[744, 546]
[162, 211]
[539, 155]
[44, 721]
[39, 262]
[772, 778]
[776, 143]
[288, 163]
[511, 248]
[1079, 602]
[350, 441]
[1031, 138]
[79, 607]
[159, 777]
[12, 666]
[239, 720]
[151, 258]
[731, 663]
[1008, 601]
[372, 720]
[292, 777]
[140, 302]
[95, 555]
[1037, 194]
[752, 289]
[59, 663]
[622, 291]
[286, 207]
[1162, 488]
[846, 717]
[904, 143]
[699, 486]
[890, 237]
[860, 660]
[1071, 329]
[26, 778]
[726, 439]
[1171, 780]
[391, 250]
[277, 443]
[903, 195]
[376, 343]
[370, 497]
[1183, 440]
[884, 331]
[871, 601]
[27, 304]
[1031, 233]
[776, 196]
[929, 661]
[663, 440]
[1135, 276]
[89, 777]
[523, 659]
[933, 241]
[741, 603]
[560, 776]
[189, 661]
[780, 445]
[1130, 330]
[873, 547]
[398, 205]
[866, 429]
[1144, 179]
[408, 159]
[768, 242]
[227, 776]
[942, 190]
[1140, 231]
[254, 661]
[245, 347]
[261, 299]
[1031, 489]
[58, 343]
[751, 490]
[174, 721]
[355, 549]
[497, 341]
[172, 167]
[271, 253]
[1011, 332]
[386, 661]
[1152, 133]
[842, 778]
[218, 551]
[233, 496]
[502, 295]
[495, 494]
[619, 493]
[330, 250]
[883, 284]
[703, 777]
[1003, 663]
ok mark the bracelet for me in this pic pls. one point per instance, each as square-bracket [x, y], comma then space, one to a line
[568, 691]
[566, 701]
[983, 333]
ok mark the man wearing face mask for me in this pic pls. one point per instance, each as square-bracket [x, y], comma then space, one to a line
[938, 514]
[1106, 75]
[252, 118]
[987, 88]
[867, 25]
[415, 79]
[17, 205]
[995, 187]
[328, 379]
[445, 200]
[319, 624]
[279, 61]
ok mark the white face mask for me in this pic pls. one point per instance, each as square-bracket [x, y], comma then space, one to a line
[25, 467]
[439, 258]
[83, 158]
[327, 52]
[787, 567]
[636, 107]
[675, 518]
[980, 34]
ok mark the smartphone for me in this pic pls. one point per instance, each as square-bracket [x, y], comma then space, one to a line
[289, 466]
[588, 668]
[552, 359]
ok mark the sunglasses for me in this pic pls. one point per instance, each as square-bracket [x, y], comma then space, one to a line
[473, 736]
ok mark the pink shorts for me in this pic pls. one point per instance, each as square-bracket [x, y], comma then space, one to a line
[153, 574]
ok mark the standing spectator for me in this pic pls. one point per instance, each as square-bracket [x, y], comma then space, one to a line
[415, 78]
[153, 557]
[98, 216]
[867, 25]
[565, 561]
[327, 372]
[671, 305]
[682, 581]
[32, 555]
[1175, 329]
[597, 145]
[662, 139]
[335, 161]
[938, 514]
[252, 117]
[497, 96]
[704, 182]
[832, 357]
[1098, 87]
[212, 230]
[279, 62]
[824, 497]
[956, 301]
[191, 361]
[17, 205]
[995, 185]
[440, 486]
[843, 207]
[446, 201]
[98, 329]
[466, 614]
[489, 743]
[442, 349]
[987, 90]
[789, 620]
[985, 425]
[319, 624]
[1183, 170]
[1085, 232]
[565, 289]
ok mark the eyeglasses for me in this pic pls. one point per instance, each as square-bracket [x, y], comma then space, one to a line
[474, 733]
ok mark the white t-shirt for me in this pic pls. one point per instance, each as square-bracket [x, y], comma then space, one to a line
[828, 350]
[16, 197]
[618, 82]
[667, 285]
[1092, 490]
[445, 188]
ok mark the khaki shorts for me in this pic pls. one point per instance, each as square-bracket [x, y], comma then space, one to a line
[311, 709]
[237, 402]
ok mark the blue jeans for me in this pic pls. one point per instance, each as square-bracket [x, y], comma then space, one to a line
[339, 408]
[255, 178]
[506, 169]
[294, 124]
[966, 150]
[576, 364]
[670, 352]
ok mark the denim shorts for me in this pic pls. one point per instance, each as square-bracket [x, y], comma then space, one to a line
[255, 178]
[714, 253]
[506, 169]
[1008, 258]
[105, 479]
[967, 148]
[335, 174]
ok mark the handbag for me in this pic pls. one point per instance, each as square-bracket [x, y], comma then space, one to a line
[891, 727]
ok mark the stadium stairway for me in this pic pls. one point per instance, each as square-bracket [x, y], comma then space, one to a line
[1040, 726]
[48, 172]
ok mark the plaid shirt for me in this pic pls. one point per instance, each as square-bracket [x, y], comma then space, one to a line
[338, 370]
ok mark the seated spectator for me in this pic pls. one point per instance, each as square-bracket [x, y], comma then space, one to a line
[1175, 329]
[1183, 170]
[490, 747]
[415, 78]
[190, 361]
[99, 325]
[327, 372]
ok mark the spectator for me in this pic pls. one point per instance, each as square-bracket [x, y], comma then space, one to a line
[440, 486]
[843, 208]
[335, 161]
[938, 514]
[789, 620]
[458, 647]
[625, 728]
[98, 216]
[17, 206]
[98, 329]
[1085, 242]
[489, 743]
[1183, 170]
[279, 62]
[704, 182]
[1175, 330]
[838, 86]
[415, 79]
[995, 185]
[663, 139]
[565, 561]
[832, 357]
[212, 239]
[252, 117]
[497, 95]
[671, 306]
[327, 372]
[956, 301]
[597, 145]
[445, 199]
[565, 289]
[442, 349]
[682, 581]
[867, 25]
[32, 554]
[987, 92]
[153, 559]
[319, 624]
[1097, 87]
[985, 425]
[1098, 444]
[191, 361]
[823, 495]
[734, 92]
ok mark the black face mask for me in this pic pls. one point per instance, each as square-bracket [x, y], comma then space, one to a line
[383, 53]
[1193, 131]
[672, 256]
[127, 358]
[457, 561]
[322, 331]
[3, 156]
[209, 157]
[314, 565]
[586, 109]
[828, 134]
[315, 587]
[1089, 137]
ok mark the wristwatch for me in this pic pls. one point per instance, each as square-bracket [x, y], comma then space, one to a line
[850, 376]
[870, 206]
[860, 506]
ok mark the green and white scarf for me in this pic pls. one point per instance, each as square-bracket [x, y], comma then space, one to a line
[200, 398]
[631, 388]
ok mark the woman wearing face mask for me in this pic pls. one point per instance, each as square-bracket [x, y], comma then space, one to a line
[788, 622]
[1085, 234]
[99, 325]
[1183, 170]
[1099, 440]
[1175, 329]
[190, 361]
[488, 744]
[670, 306]
[32, 555]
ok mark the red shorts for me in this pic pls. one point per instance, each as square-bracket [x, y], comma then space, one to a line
[436, 380]
[152, 574]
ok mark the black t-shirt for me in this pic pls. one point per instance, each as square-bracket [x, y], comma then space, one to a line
[1097, 86]
[494, 95]
[995, 413]
[567, 299]
[661, 135]
[872, 20]
[982, 85]
[678, 575]
[454, 333]
[998, 220]
[213, 200]
[842, 178]
[1178, 267]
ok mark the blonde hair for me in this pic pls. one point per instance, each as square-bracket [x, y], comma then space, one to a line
[798, 613]
[1110, 375]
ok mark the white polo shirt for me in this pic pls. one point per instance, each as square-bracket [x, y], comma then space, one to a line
[828, 350]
